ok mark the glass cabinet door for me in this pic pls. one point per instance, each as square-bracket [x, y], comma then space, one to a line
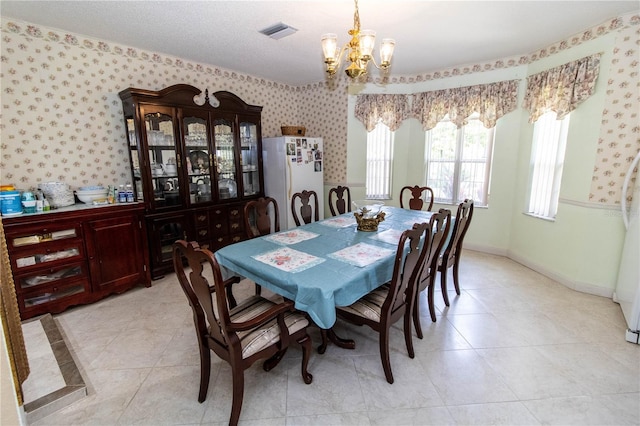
[163, 156]
[197, 155]
[249, 157]
[225, 158]
[134, 149]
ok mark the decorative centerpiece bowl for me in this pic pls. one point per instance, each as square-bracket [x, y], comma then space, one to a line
[368, 214]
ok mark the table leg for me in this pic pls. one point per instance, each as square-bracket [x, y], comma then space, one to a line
[329, 334]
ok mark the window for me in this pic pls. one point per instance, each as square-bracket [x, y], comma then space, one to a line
[547, 160]
[379, 162]
[458, 161]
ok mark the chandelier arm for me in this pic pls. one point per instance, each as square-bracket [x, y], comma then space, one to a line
[381, 66]
[373, 60]
[344, 49]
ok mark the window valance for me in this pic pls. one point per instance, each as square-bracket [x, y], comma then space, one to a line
[491, 101]
[391, 110]
[561, 89]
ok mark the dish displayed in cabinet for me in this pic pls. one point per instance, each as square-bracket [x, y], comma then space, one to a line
[199, 162]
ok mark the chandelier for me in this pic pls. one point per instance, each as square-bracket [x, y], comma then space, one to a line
[358, 51]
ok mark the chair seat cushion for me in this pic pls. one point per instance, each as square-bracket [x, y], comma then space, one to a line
[267, 334]
[370, 305]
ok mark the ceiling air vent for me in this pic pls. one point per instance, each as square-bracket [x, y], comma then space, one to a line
[278, 31]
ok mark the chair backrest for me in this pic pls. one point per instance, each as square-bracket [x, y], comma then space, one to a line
[419, 196]
[337, 203]
[308, 212]
[209, 304]
[462, 222]
[439, 231]
[407, 267]
[261, 217]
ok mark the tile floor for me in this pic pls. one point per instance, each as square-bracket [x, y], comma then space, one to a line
[514, 348]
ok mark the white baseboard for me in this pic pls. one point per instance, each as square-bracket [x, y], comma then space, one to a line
[565, 281]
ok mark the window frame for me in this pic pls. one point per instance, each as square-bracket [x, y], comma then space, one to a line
[458, 162]
[560, 133]
[381, 131]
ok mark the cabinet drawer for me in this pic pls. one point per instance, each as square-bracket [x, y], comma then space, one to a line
[236, 221]
[47, 255]
[42, 235]
[219, 227]
[201, 220]
[202, 234]
[225, 240]
[50, 277]
[56, 293]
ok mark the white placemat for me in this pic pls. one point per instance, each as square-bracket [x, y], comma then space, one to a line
[339, 222]
[361, 254]
[291, 237]
[288, 259]
[391, 236]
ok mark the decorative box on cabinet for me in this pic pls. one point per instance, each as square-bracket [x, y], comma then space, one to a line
[72, 257]
[188, 159]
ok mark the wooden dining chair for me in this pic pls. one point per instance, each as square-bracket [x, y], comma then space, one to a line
[415, 197]
[255, 329]
[450, 257]
[387, 304]
[337, 203]
[261, 217]
[308, 210]
[438, 229]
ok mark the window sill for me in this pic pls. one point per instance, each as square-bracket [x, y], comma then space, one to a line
[548, 219]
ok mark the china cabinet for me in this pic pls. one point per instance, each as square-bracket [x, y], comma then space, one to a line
[196, 158]
[76, 256]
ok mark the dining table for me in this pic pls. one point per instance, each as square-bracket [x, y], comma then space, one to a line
[323, 264]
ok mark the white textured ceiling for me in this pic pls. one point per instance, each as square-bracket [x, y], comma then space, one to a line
[430, 35]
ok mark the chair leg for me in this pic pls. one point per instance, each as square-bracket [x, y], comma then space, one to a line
[416, 316]
[456, 263]
[232, 300]
[238, 394]
[307, 348]
[258, 290]
[384, 353]
[443, 284]
[408, 337]
[205, 371]
[271, 363]
[432, 309]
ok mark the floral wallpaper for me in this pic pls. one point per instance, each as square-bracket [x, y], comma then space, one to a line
[62, 120]
[62, 117]
[619, 140]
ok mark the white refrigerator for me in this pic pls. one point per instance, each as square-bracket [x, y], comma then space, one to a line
[627, 292]
[292, 164]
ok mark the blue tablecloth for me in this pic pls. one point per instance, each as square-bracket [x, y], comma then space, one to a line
[329, 281]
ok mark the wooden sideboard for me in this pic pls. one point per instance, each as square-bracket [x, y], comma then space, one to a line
[76, 255]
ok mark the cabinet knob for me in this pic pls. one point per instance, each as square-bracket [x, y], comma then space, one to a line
[218, 225]
[236, 239]
[234, 212]
[234, 226]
